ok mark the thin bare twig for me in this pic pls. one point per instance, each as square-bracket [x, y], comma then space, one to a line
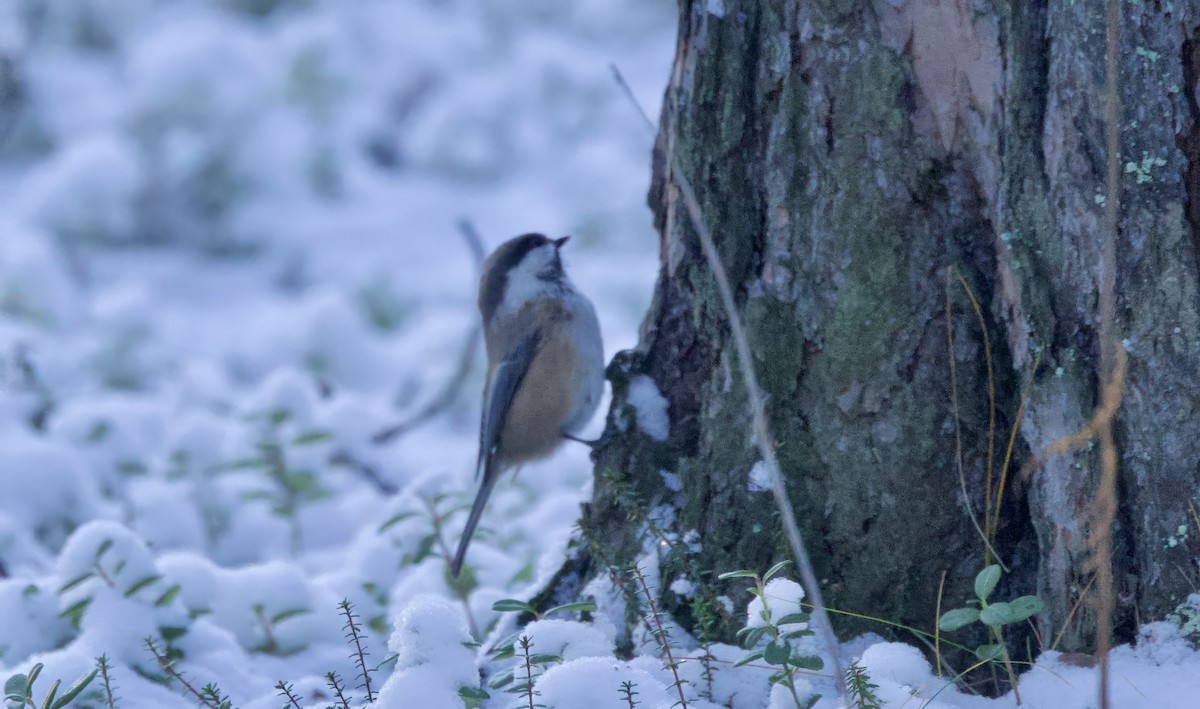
[450, 391]
[762, 431]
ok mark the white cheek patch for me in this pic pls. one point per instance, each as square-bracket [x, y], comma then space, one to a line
[523, 284]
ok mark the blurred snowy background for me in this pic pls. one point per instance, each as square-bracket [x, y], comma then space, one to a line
[229, 255]
[228, 249]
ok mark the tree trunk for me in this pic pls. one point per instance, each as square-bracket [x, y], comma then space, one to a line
[852, 160]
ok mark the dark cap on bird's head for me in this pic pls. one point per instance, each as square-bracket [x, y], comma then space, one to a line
[508, 257]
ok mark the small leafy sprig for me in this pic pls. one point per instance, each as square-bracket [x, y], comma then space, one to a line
[209, 695]
[532, 665]
[355, 637]
[110, 687]
[994, 616]
[778, 650]
[628, 694]
[18, 690]
[860, 687]
[507, 648]
[654, 621]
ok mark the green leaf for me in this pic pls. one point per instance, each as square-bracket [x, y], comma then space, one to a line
[506, 605]
[246, 464]
[792, 618]
[48, 702]
[33, 675]
[581, 606]
[986, 581]
[472, 696]
[75, 582]
[149, 580]
[103, 549]
[775, 569]
[989, 652]
[172, 632]
[310, 437]
[1025, 607]
[74, 612]
[168, 596]
[957, 618]
[290, 613]
[544, 659]
[748, 658]
[16, 688]
[751, 636]
[75, 690]
[394, 520]
[808, 662]
[999, 613]
[501, 678]
[777, 653]
[742, 573]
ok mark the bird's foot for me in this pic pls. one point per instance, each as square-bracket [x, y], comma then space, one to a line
[589, 444]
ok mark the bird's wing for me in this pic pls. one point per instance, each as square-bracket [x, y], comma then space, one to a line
[501, 388]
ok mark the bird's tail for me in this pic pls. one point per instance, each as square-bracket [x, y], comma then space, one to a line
[481, 498]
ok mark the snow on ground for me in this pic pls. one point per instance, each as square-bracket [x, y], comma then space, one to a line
[229, 255]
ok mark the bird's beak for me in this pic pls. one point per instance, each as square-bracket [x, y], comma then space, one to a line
[558, 243]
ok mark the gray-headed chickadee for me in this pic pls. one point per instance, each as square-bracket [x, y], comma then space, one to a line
[545, 362]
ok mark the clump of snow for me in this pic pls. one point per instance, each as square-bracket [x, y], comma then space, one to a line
[563, 686]
[88, 192]
[47, 489]
[759, 479]
[567, 639]
[781, 597]
[34, 280]
[432, 663]
[650, 407]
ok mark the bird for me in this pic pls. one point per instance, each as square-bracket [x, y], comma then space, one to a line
[545, 356]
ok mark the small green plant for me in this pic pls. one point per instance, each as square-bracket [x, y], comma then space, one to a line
[509, 605]
[268, 622]
[209, 695]
[339, 689]
[291, 487]
[779, 632]
[707, 620]
[526, 688]
[659, 633]
[994, 616]
[355, 637]
[110, 689]
[436, 511]
[18, 690]
[285, 691]
[532, 665]
[472, 697]
[107, 571]
[862, 690]
[628, 694]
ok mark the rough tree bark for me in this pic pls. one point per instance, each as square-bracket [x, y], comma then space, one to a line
[847, 154]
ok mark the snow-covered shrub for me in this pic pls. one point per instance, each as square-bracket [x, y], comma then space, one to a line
[35, 283]
[111, 590]
[433, 667]
[88, 192]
